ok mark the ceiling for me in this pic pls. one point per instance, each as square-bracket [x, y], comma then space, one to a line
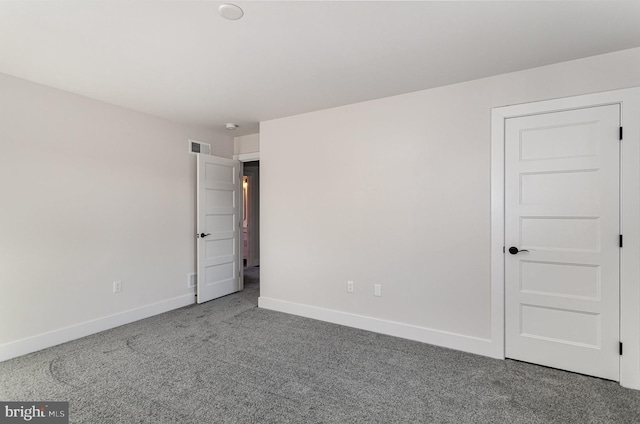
[182, 61]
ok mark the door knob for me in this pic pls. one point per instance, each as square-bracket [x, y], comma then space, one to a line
[514, 250]
[203, 235]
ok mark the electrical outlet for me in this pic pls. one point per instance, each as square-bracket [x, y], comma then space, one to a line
[117, 286]
[377, 290]
[349, 286]
[192, 279]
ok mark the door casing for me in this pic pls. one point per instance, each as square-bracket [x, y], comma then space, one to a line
[629, 101]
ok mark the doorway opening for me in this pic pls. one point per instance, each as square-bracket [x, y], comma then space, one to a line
[251, 225]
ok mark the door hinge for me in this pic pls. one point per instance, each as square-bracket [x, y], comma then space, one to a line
[620, 133]
[620, 240]
[620, 348]
[503, 249]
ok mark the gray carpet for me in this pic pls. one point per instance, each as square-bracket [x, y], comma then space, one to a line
[227, 361]
[251, 290]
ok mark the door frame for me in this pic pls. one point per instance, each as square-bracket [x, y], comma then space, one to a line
[629, 101]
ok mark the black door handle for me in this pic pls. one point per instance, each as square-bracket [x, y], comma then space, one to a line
[203, 235]
[514, 250]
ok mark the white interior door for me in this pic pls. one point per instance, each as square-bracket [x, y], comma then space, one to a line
[562, 218]
[219, 227]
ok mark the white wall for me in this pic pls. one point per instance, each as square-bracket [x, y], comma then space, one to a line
[246, 144]
[90, 193]
[396, 192]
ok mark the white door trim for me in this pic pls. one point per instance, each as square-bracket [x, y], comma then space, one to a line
[247, 157]
[629, 100]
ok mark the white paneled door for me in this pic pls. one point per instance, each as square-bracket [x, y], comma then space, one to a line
[562, 185]
[219, 217]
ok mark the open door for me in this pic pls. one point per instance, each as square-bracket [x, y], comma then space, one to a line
[219, 222]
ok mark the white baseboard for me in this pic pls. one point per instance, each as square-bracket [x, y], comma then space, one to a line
[63, 335]
[484, 347]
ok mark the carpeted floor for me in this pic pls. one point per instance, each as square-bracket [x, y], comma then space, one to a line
[251, 290]
[227, 361]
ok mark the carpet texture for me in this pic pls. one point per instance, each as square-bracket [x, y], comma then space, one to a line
[227, 361]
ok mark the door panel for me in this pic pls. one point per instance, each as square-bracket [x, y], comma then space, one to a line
[219, 206]
[562, 209]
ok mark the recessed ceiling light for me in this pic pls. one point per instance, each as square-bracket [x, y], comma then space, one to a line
[231, 126]
[230, 11]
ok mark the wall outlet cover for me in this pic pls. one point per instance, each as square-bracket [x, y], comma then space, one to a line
[192, 279]
[349, 286]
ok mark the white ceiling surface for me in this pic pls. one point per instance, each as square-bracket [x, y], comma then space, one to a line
[181, 61]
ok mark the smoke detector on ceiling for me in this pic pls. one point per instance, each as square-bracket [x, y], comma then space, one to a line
[231, 126]
[230, 11]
